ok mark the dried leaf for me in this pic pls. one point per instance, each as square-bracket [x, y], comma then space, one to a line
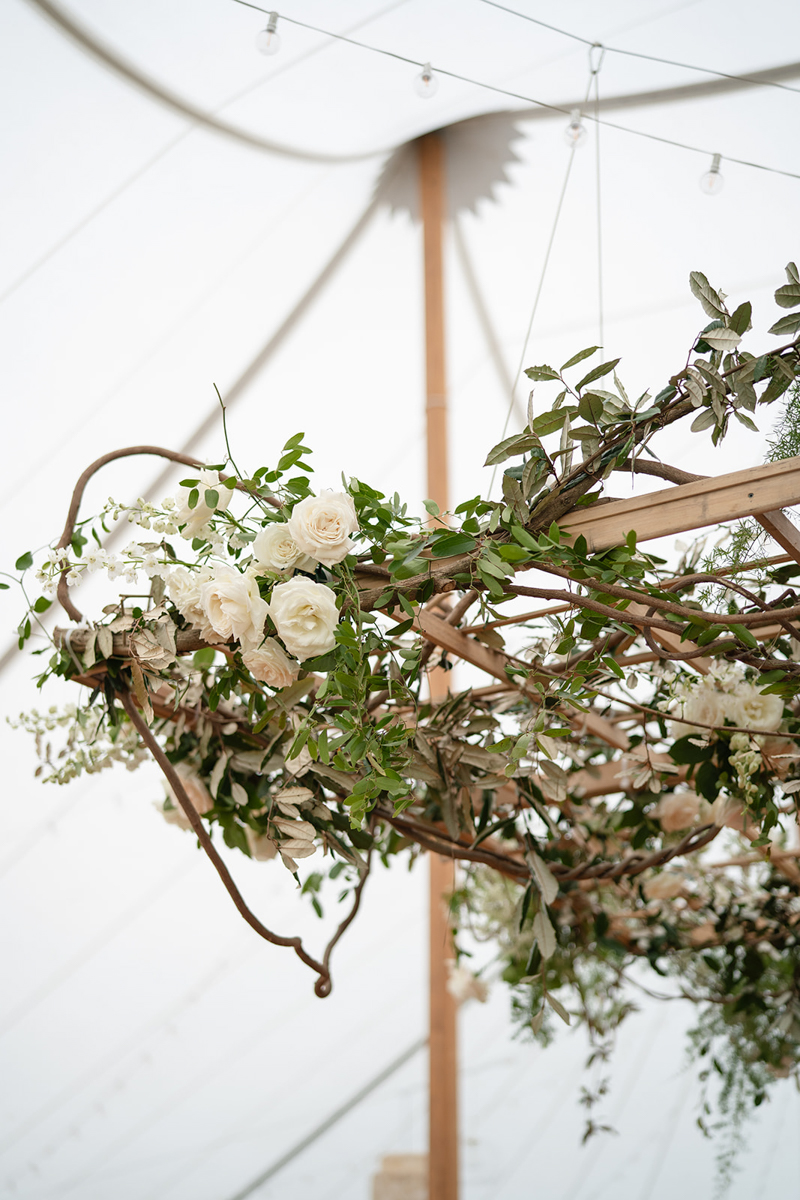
[542, 877]
[544, 933]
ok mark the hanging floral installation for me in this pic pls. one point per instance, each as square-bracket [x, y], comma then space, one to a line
[623, 787]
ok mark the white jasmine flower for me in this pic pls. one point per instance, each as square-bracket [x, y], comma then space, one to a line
[271, 664]
[114, 567]
[305, 616]
[194, 519]
[233, 606]
[463, 985]
[320, 526]
[152, 565]
[276, 550]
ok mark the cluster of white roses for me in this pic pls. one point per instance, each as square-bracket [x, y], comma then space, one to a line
[723, 694]
[224, 603]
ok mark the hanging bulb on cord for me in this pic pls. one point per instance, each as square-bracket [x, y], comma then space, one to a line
[575, 134]
[712, 182]
[268, 40]
[426, 84]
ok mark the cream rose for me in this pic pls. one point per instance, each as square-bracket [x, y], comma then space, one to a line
[320, 526]
[678, 811]
[305, 616]
[271, 664]
[706, 705]
[194, 519]
[261, 846]
[751, 710]
[276, 550]
[664, 886]
[233, 606]
[197, 792]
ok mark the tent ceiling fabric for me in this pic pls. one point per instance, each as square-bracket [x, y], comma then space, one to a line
[160, 1053]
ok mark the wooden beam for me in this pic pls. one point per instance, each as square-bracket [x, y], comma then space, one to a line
[457, 643]
[782, 530]
[750, 493]
[443, 1064]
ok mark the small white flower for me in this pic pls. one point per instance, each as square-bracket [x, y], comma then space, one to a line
[152, 565]
[195, 519]
[678, 811]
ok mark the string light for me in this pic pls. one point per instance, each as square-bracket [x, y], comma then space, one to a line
[269, 40]
[501, 91]
[575, 134]
[426, 84]
[712, 182]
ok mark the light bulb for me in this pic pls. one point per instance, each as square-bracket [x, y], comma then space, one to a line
[712, 182]
[269, 40]
[575, 134]
[426, 84]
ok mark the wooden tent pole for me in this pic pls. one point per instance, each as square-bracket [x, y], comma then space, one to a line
[443, 1079]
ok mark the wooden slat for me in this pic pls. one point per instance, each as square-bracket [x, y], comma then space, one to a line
[782, 530]
[756, 491]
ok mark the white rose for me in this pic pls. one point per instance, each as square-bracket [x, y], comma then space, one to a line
[678, 811]
[271, 664]
[183, 589]
[233, 606]
[706, 705]
[305, 616]
[276, 550]
[664, 886]
[196, 518]
[751, 710]
[197, 792]
[320, 526]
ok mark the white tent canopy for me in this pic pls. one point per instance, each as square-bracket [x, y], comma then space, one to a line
[150, 1044]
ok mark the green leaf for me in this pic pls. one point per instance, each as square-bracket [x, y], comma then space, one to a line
[722, 338]
[741, 319]
[189, 483]
[509, 447]
[549, 422]
[787, 325]
[211, 498]
[203, 658]
[590, 407]
[541, 373]
[194, 496]
[705, 419]
[431, 507]
[42, 604]
[24, 561]
[744, 635]
[745, 420]
[453, 543]
[710, 299]
[788, 296]
[598, 372]
[580, 356]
